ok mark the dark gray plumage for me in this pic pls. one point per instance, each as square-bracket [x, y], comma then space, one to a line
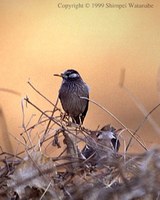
[72, 88]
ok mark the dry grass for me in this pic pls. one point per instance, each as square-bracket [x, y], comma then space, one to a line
[32, 174]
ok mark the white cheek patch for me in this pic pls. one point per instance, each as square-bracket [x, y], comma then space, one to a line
[73, 75]
[106, 135]
[111, 135]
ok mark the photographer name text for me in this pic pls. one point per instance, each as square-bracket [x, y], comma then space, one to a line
[76, 6]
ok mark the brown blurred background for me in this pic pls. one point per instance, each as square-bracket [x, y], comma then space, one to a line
[39, 39]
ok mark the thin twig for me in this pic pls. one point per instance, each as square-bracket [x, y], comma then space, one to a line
[141, 108]
[23, 124]
[141, 124]
[28, 101]
[49, 122]
[46, 190]
[114, 117]
[42, 95]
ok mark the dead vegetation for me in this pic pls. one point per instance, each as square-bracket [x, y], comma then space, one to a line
[106, 175]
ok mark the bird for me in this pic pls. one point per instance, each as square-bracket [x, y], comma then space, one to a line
[108, 133]
[72, 89]
[107, 137]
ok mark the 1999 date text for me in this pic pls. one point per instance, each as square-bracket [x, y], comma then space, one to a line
[103, 5]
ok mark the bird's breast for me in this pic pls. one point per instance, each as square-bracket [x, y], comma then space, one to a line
[70, 94]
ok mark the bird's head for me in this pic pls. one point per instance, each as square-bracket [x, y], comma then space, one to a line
[109, 133]
[70, 74]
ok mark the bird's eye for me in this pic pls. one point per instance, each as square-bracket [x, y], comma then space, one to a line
[73, 75]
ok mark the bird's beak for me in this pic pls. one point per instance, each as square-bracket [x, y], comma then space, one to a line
[60, 75]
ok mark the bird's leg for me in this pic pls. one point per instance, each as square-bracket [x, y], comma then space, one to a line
[67, 117]
[80, 119]
[74, 121]
[63, 116]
